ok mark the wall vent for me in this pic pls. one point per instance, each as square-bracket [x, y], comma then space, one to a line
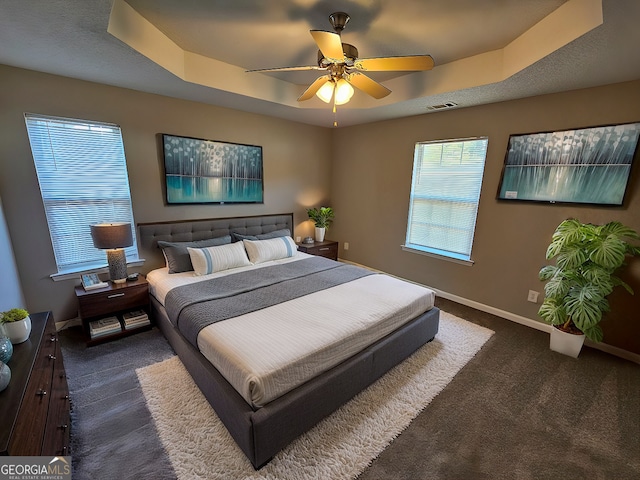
[442, 106]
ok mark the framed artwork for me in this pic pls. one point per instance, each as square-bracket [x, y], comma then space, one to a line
[587, 165]
[207, 171]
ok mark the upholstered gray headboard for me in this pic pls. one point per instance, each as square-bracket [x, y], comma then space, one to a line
[187, 230]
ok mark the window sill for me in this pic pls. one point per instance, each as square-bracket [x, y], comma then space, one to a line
[75, 273]
[435, 254]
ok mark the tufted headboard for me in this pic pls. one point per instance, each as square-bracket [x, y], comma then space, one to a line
[189, 230]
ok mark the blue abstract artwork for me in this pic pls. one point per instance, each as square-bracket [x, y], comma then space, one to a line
[207, 171]
[588, 165]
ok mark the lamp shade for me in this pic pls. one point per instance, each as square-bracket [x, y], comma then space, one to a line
[326, 91]
[344, 92]
[111, 235]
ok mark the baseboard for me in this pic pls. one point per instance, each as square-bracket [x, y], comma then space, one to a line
[68, 323]
[618, 352]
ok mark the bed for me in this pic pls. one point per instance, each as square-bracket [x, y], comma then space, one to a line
[264, 415]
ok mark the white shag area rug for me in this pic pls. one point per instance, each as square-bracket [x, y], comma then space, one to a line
[339, 447]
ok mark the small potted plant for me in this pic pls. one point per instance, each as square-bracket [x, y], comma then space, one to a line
[17, 324]
[322, 217]
[587, 257]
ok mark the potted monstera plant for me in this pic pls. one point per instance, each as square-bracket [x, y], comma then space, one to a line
[322, 217]
[587, 258]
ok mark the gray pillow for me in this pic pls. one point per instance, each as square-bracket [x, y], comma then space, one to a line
[263, 236]
[177, 255]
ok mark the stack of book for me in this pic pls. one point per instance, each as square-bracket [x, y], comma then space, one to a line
[104, 326]
[135, 319]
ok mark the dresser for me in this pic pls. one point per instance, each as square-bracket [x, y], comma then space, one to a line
[35, 406]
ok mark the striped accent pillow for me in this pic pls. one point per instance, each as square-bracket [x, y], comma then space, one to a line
[215, 259]
[264, 250]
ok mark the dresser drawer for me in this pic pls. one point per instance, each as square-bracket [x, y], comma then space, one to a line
[104, 303]
[58, 427]
[31, 422]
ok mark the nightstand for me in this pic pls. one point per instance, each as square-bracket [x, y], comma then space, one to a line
[327, 249]
[114, 300]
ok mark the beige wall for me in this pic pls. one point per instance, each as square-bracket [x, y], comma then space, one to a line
[364, 172]
[372, 166]
[296, 164]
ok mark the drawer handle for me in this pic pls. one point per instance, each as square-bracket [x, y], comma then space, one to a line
[115, 295]
[51, 357]
[41, 393]
[53, 338]
[66, 397]
[63, 427]
[325, 248]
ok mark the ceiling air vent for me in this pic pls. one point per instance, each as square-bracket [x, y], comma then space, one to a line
[442, 106]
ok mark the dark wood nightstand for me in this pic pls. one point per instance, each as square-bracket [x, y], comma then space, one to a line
[327, 249]
[114, 300]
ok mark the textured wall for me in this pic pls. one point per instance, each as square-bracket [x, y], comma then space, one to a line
[296, 161]
[372, 180]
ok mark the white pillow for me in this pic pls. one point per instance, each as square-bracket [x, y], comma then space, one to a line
[214, 259]
[264, 250]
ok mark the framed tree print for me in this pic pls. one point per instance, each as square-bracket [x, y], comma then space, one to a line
[587, 165]
[208, 171]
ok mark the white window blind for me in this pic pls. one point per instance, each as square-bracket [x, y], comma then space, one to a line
[445, 191]
[82, 172]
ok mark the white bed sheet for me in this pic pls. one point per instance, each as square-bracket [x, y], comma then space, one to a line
[267, 353]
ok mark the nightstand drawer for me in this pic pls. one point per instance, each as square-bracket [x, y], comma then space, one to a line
[103, 303]
[327, 249]
[329, 252]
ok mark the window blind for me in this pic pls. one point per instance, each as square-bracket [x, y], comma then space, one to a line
[445, 191]
[82, 172]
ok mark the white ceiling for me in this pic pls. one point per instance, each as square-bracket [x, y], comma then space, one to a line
[485, 50]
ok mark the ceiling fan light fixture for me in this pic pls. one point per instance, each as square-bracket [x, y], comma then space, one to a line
[325, 92]
[344, 92]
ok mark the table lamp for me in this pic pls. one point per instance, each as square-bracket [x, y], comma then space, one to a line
[113, 237]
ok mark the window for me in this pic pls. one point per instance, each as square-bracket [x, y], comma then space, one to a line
[445, 191]
[83, 179]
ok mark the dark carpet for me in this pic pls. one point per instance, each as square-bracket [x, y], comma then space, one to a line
[515, 411]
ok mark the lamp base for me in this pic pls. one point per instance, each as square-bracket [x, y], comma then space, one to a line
[117, 261]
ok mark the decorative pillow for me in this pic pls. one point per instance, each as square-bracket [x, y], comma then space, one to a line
[177, 256]
[264, 250]
[215, 259]
[262, 236]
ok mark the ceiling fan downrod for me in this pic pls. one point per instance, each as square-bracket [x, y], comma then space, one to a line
[338, 21]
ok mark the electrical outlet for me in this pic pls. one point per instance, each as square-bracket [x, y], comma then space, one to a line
[346, 245]
[533, 296]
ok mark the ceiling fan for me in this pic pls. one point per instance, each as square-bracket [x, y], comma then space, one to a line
[344, 68]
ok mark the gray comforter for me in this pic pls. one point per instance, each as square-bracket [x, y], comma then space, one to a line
[192, 307]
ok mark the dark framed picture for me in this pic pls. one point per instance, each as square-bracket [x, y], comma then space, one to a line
[586, 165]
[208, 171]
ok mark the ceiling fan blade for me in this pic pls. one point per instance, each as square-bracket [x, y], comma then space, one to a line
[367, 85]
[395, 64]
[287, 69]
[313, 88]
[329, 44]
